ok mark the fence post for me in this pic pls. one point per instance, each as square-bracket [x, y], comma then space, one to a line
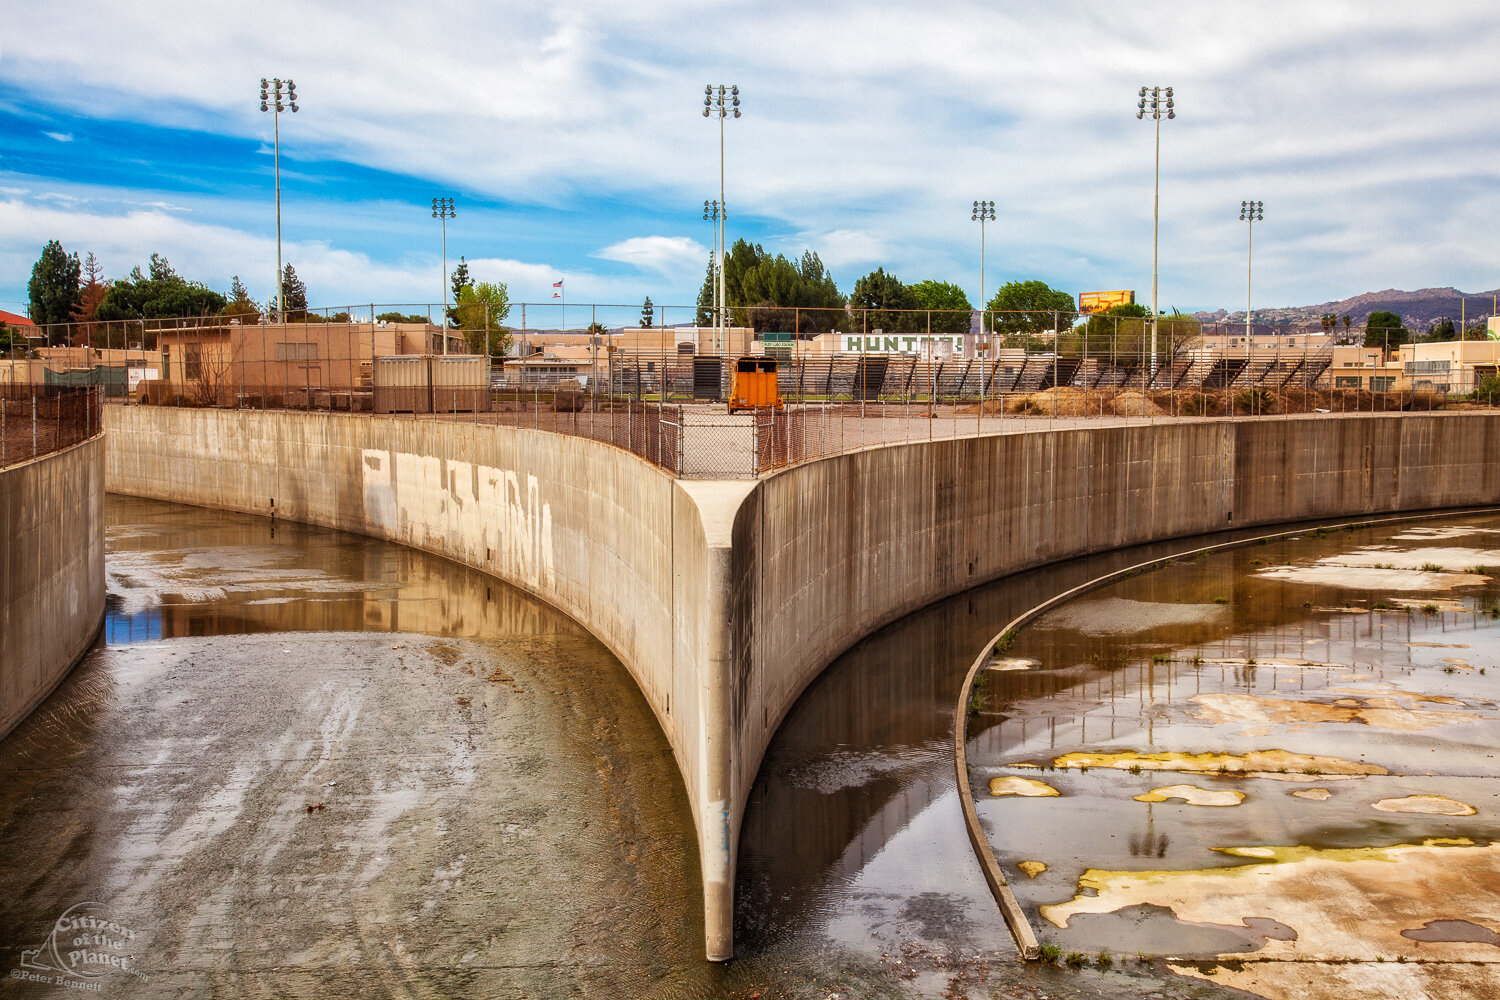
[33, 424]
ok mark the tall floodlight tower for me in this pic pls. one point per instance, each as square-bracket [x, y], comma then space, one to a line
[442, 208]
[277, 96]
[1156, 102]
[721, 102]
[1251, 212]
[984, 211]
[713, 214]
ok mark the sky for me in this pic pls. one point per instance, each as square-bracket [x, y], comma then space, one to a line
[571, 138]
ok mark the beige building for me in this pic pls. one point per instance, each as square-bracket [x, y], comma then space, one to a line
[1364, 368]
[1228, 337]
[226, 362]
[1454, 367]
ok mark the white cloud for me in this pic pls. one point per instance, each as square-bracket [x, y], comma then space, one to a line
[59, 136]
[868, 128]
[667, 255]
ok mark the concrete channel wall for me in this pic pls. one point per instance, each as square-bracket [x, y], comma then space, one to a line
[725, 600]
[51, 573]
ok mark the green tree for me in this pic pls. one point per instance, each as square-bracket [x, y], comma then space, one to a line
[705, 313]
[774, 293]
[481, 312]
[648, 314]
[460, 280]
[1440, 330]
[161, 270]
[398, 317]
[948, 307]
[1026, 308]
[165, 294]
[294, 293]
[1122, 334]
[240, 303]
[1384, 329]
[53, 288]
[886, 303]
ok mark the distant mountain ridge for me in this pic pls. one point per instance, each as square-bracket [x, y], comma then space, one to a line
[1418, 310]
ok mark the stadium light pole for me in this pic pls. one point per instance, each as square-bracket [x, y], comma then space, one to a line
[1250, 211]
[1155, 101]
[712, 213]
[271, 95]
[984, 211]
[717, 105]
[442, 208]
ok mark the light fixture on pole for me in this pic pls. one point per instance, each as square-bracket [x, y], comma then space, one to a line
[1250, 211]
[984, 211]
[442, 208]
[713, 213]
[272, 93]
[721, 102]
[1156, 102]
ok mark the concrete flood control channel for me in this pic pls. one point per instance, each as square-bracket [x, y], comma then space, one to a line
[306, 763]
[1274, 767]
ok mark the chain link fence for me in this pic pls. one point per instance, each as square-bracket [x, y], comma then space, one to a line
[847, 378]
[37, 420]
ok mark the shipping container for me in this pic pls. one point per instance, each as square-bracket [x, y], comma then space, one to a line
[432, 383]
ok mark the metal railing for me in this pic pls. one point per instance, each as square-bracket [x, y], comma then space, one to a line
[653, 393]
[36, 420]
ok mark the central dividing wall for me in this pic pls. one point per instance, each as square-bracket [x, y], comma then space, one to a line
[724, 600]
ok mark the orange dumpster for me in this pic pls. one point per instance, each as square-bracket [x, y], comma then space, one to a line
[754, 385]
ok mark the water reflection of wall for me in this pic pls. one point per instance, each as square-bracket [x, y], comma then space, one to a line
[867, 748]
[329, 582]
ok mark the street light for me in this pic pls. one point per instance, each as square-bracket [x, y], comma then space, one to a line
[984, 211]
[713, 213]
[271, 94]
[442, 208]
[1155, 101]
[1250, 211]
[715, 105]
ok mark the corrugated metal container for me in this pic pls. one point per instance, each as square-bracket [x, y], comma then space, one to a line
[460, 383]
[403, 384]
[432, 383]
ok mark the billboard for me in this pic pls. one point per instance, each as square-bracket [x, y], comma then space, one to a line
[1092, 302]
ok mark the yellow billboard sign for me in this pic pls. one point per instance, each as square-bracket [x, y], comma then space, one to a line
[1092, 302]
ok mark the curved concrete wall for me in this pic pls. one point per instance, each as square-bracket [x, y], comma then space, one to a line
[52, 573]
[725, 600]
[590, 529]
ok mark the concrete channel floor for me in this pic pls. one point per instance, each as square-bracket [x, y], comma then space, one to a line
[1293, 789]
[307, 764]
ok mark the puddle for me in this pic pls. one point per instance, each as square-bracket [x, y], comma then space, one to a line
[1313, 695]
[1119, 616]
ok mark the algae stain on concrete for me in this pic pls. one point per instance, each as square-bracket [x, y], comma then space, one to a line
[1192, 795]
[1276, 764]
[1026, 787]
[1310, 890]
[1380, 712]
[1426, 805]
